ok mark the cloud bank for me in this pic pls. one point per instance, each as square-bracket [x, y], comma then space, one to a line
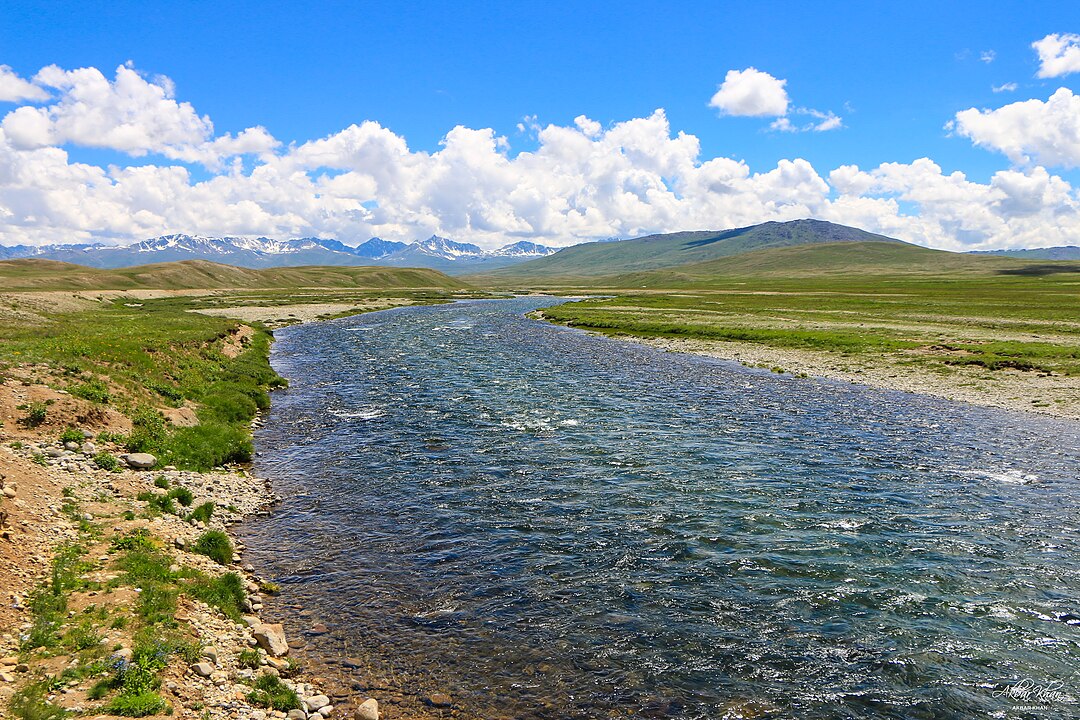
[583, 181]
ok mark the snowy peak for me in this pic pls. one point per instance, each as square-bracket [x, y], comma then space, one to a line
[376, 248]
[447, 249]
[435, 252]
[525, 249]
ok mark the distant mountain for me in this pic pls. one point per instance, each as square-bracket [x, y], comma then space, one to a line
[436, 253]
[376, 248]
[1065, 252]
[671, 250]
[454, 258]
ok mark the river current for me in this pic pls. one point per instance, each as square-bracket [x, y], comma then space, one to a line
[544, 523]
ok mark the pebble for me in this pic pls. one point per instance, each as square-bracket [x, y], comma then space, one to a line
[439, 700]
[297, 715]
[203, 669]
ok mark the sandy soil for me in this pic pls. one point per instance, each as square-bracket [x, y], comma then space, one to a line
[277, 315]
[1007, 389]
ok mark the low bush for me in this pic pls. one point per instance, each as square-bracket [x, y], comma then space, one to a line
[182, 495]
[149, 431]
[137, 705]
[270, 692]
[215, 545]
[249, 659]
[107, 461]
[71, 435]
[208, 445]
[36, 414]
[202, 513]
[95, 391]
[137, 539]
[31, 703]
[158, 503]
[226, 593]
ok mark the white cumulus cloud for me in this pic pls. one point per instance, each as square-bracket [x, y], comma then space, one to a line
[1030, 131]
[130, 114]
[15, 89]
[751, 92]
[580, 181]
[1058, 54]
[754, 93]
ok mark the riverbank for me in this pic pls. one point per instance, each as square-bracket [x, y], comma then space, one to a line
[124, 590]
[1005, 389]
[107, 575]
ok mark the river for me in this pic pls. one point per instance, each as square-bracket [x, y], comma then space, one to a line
[544, 523]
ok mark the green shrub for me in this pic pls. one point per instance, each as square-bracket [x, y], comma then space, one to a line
[157, 604]
[215, 545]
[139, 705]
[144, 565]
[182, 495]
[249, 659]
[271, 693]
[228, 404]
[162, 482]
[158, 503]
[202, 513]
[137, 539]
[72, 435]
[36, 413]
[107, 461]
[149, 431]
[81, 637]
[30, 703]
[226, 593]
[93, 390]
[208, 445]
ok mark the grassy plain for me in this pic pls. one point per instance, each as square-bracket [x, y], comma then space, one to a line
[1016, 322]
[855, 309]
[145, 341]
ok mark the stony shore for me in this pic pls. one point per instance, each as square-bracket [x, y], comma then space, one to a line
[56, 494]
[1015, 390]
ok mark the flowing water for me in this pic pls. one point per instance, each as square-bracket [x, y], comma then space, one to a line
[549, 524]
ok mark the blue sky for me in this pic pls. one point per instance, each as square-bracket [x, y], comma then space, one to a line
[895, 74]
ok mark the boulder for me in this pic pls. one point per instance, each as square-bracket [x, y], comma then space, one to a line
[368, 710]
[297, 715]
[141, 461]
[271, 638]
[203, 669]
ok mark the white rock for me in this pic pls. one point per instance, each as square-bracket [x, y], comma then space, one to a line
[368, 710]
[271, 638]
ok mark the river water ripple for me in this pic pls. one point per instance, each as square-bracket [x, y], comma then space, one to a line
[548, 524]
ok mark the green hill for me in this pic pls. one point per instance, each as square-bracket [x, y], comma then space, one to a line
[656, 252]
[834, 260]
[35, 274]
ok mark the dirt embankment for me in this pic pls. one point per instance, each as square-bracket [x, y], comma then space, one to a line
[79, 597]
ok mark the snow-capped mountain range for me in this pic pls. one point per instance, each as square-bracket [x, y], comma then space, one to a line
[435, 252]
